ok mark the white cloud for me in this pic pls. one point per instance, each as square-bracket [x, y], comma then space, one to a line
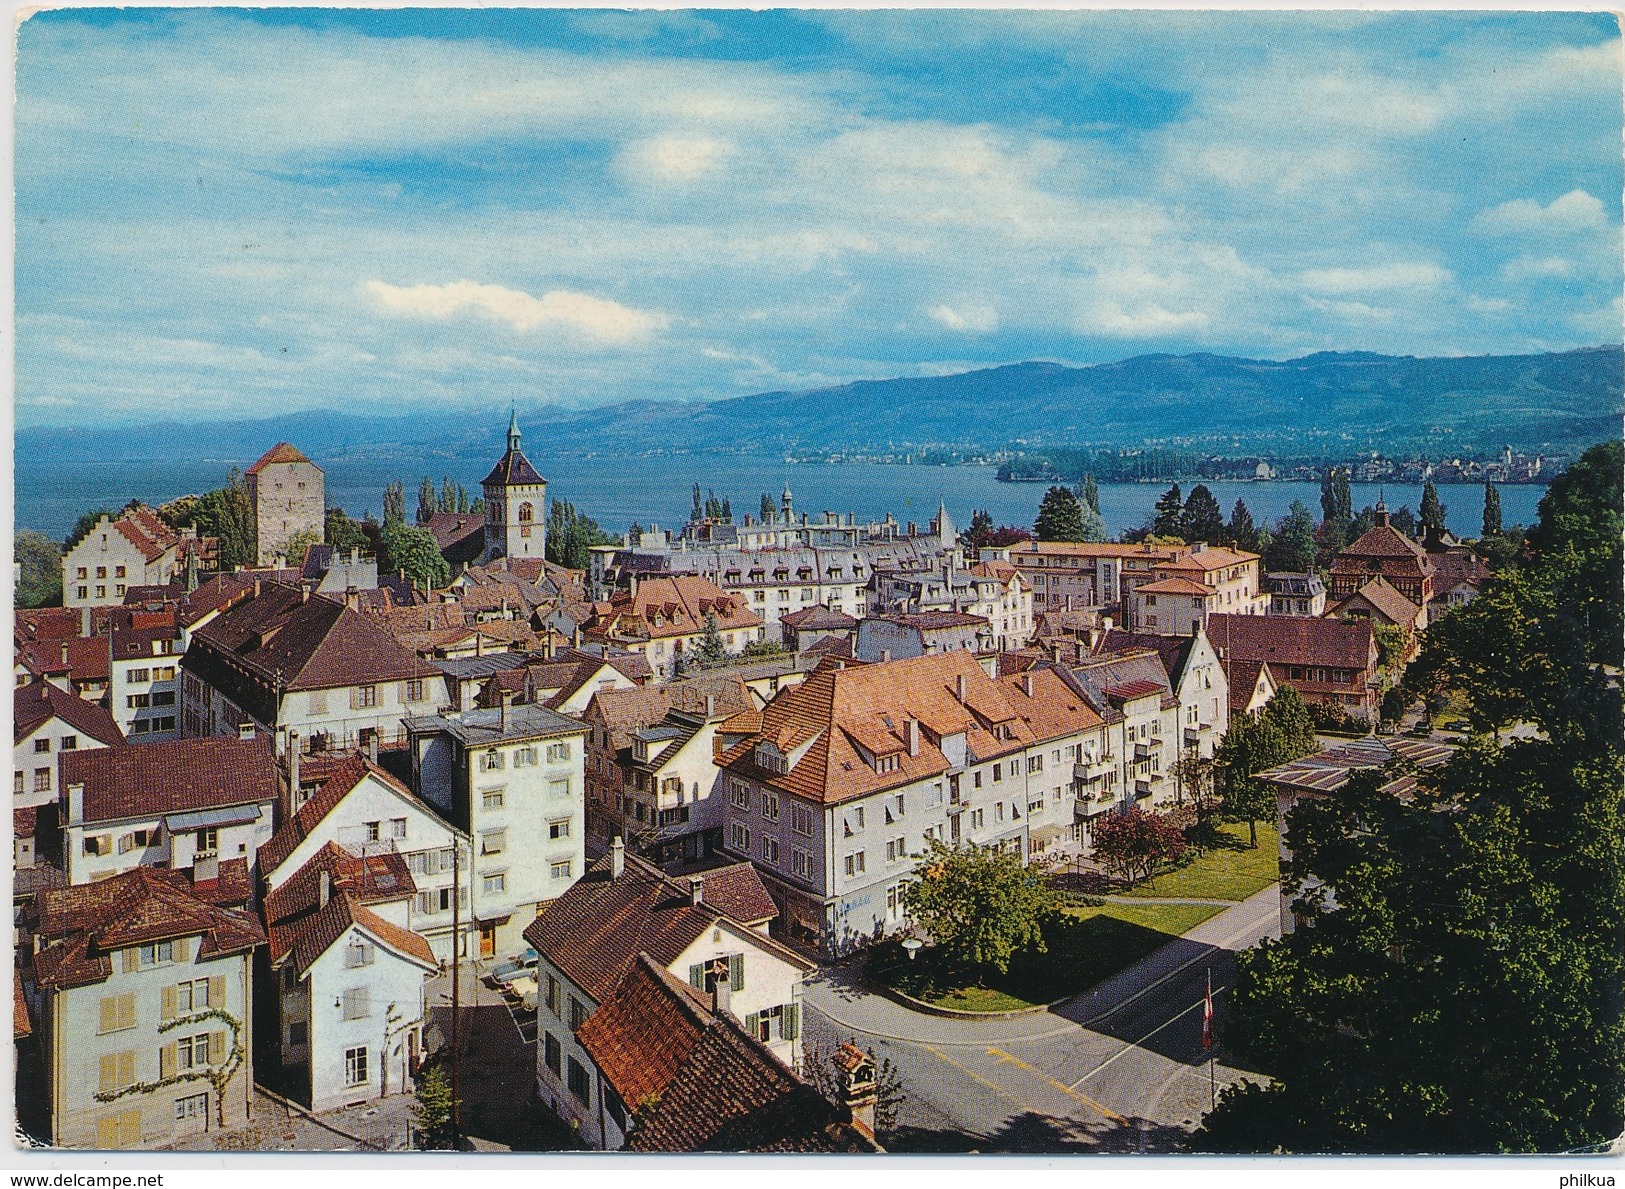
[1147, 321]
[1574, 211]
[1376, 278]
[1526, 268]
[1357, 311]
[976, 317]
[1488, 305]
[596, 317]
[675, 158]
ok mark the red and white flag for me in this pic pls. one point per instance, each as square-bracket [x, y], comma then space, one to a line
[1207, 1014]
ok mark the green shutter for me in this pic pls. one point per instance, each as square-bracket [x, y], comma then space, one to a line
[696, 976]
[792, 1021]
[736, 972]
[751, 1022]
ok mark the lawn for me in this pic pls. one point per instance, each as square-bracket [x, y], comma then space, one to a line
[1230, 872]
[1086, 945]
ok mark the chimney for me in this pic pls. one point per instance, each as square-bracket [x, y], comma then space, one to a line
[911, 732]
[885, 655]
[710, 706]
[372, 747]
[351, 598]
[84, 624]
[245, 731]
[293, 766]
[256, 588]
[355, 556]
[65, 648]
[722, 989]
[855, 1071]
[1198, 546]
[696, 890]
[325, 892]
[304, 594]
[1027, 683]
[76, 803]
[617, 858]
[1105, 623]
[507, 706]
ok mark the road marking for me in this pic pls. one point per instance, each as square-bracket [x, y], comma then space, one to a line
[1071, 1091]
[1134, 1044]
[974, 1076]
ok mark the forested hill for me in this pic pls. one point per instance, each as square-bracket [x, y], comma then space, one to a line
[1332, 403]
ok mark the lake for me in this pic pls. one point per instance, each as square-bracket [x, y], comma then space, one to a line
[616, 492]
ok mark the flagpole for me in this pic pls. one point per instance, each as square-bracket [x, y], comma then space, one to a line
[1212, 1082]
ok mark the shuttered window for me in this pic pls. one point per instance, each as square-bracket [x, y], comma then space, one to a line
[121, 1130]
[357, 1003]
[117, 1071]
[117, 1012]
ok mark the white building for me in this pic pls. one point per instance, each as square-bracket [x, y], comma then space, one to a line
[512, 779]
[144, 684]
[857, 769]
[365, 811]
[204, 805]
[141, 992]
[347, 976]
[134, 549]
[48, 721]
[709, 929]
[515, 505]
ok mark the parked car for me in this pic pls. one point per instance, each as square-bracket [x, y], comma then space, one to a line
[1422, 729]
[523, 988]
[510, 968]
[1459, 724]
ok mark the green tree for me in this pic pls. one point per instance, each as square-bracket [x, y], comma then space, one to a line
[1404, 520]
[1202, 520]
[414, 552]
[1292, 548]
[766, 507]
[227, 513]
[1432, 516]
[432, 1112]
[710, 651]
[448, 496]
[981, 906]
[571, 536]
[1060, 516]
[1241, 532]
[1254, 742]
[1091, 493]
[1336, 506]
[394, 503]
[1492, 511]
[299, 543]
[427, 503]
[1170, 518]
[344, 534]
[475, 506]
[39, 569]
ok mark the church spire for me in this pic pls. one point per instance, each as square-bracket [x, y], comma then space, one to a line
[513, 429]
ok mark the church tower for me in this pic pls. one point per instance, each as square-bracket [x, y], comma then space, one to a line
[515, 504]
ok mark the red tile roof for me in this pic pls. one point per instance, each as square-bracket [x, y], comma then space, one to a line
[667, 607]
[150, 549]
[1385, 600]
[341, 781]
[83, 924]
[737, 890]
[1177, 586]
[35, 704]
[1383, 540]
[818, 619]
[643, 1033]
[281, 452]
[174, 776]
[1293, 640]
[302, 927]
[595, 930]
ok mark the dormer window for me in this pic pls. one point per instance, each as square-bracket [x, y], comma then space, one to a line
[887, 763]
[770, 759]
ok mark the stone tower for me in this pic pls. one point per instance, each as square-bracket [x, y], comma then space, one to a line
[286, 494]
[515, 504]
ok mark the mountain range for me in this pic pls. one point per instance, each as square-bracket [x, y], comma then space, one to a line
[1331, 404]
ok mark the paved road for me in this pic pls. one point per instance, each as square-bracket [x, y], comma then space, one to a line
[1119, 1068]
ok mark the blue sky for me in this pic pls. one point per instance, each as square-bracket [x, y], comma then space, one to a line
[233, 213]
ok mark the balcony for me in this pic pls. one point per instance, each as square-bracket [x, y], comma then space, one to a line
[1142, 752]
[1087, 769]
[1142, 789]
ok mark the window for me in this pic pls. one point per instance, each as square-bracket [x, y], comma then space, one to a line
[775, 1023]
[578, 1013]
[363, 697]
[558, 790]
[357, 1003]
[117, 1012]
[997, 772]
[738, 794]
[355, 1066]
[298, 1033]
[42, 746]
[164, 673]
[375, 830]
[739, 837]
[359, 953]
[800, 862]
[558, 829]
[492, 798]
[801, 819]
[553, 1053]
[118, 572]
[42, 780]
[83, 573]
[998, 812]
[137, 676]
[1035, 764]
[976, 819]
[976, 780]
[397, 827]
[561, 869]
[854, 863]
[316, 702]
[101, 571]
[558, 752]
[578, 1083]
[933, 795]
[496, 881]
[163, 697]
[17, 783]
[524, 757]
[192, 1052]
[493, 842]
[137, 701]
[491, 761]
[770, 849]
[117, 1070]
[413, 691]
[770, 805]
[160, 954]
[193, 1106]
[193, 995]
[207, 842]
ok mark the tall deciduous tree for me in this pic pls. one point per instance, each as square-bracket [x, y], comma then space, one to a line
[766, 507]
[1135, 843]
[39, 569]
[344, 534]
[1201, 519]
[1432, 514]
[980, 905]
[1336, 505]
[428, 502]
[571, 535]
[414, 552]
[1241, 532]
[1492, 511]
[394, 503]
[1170, 518]
[1060, 516]
[1282, 732]
[1293, 546]
[1091, 493]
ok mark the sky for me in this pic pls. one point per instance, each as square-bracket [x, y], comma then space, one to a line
[232, 213]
